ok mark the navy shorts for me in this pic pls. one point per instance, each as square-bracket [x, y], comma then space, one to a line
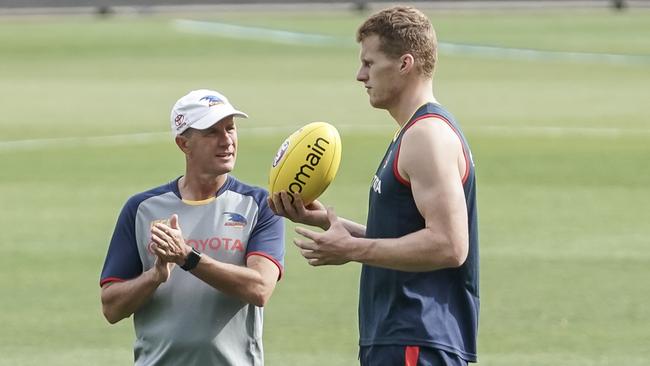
[407, 356]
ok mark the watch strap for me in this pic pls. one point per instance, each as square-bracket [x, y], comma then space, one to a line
[192, 260]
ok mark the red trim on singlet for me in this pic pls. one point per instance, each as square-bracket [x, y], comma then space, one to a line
[411, 355]
[396, 172]
[110, 279]
[269, 257]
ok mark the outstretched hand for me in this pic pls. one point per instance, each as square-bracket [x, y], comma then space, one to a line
[292, 207]
[332, 247]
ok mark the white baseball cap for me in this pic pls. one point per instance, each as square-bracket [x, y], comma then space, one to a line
[201, 109]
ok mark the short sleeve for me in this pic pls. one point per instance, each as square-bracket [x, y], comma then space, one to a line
[123, 260]
[267, 237]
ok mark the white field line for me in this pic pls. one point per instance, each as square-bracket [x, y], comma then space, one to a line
[560, 131]
[261, 34]
[310, 39]
[280, 131]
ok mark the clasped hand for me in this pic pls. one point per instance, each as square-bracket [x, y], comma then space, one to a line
[169, 245]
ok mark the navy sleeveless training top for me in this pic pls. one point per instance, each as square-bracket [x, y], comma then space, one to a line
[436, 309]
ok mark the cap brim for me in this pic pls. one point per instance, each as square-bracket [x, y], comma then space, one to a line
[216, 116]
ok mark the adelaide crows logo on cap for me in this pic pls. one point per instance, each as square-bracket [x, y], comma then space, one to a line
[235, 220]
[212, 100]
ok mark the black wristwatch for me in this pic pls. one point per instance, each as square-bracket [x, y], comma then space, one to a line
[192, 260]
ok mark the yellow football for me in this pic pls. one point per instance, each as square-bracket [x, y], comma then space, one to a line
[307, 161]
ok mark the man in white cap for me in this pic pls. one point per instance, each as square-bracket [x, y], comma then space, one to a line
[196, 259]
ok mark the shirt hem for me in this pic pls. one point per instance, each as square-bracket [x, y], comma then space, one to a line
[110, 279]
[269, 257]
[467, 356]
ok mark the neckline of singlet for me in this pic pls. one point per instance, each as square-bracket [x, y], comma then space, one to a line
[399, 130]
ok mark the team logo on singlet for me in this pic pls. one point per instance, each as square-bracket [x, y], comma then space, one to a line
[376, 184]
[234, 220]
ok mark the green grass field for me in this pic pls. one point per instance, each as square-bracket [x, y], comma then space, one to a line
[562, 151]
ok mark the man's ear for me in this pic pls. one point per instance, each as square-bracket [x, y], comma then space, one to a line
[406, 62]
[183, 143]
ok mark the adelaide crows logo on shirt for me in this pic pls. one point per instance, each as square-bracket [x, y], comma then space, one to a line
[235, 220]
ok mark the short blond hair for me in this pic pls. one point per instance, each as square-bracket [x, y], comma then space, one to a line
[402, 30]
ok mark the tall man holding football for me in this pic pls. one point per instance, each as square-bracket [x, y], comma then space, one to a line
[419, 298]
